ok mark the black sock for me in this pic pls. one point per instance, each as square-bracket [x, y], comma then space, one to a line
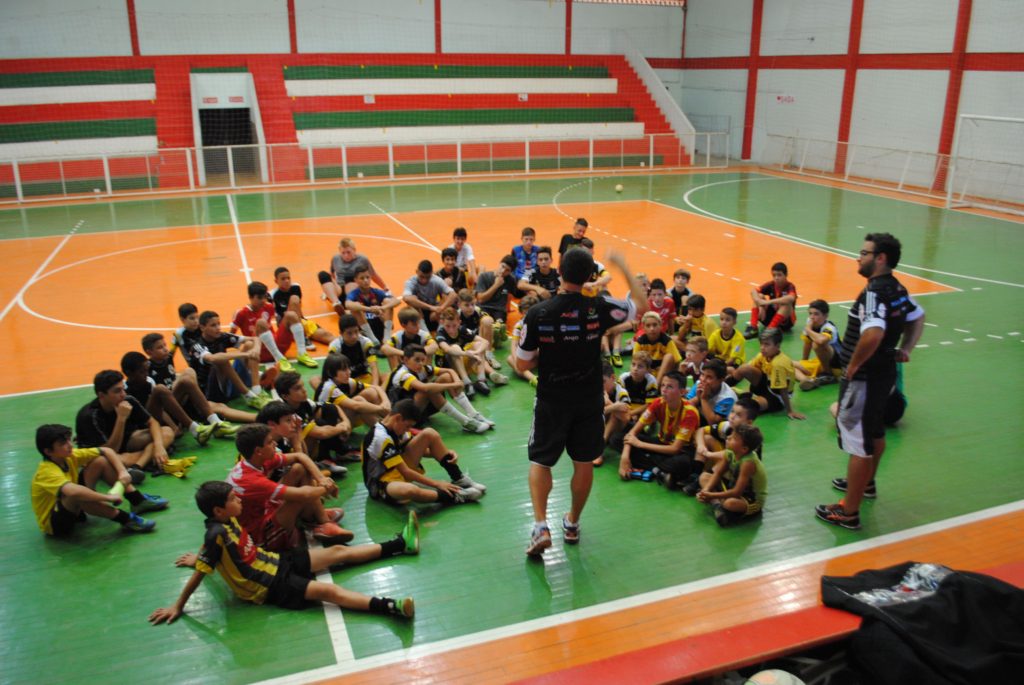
[134, 497]
[392, 548]
[122, 517]
[454, 472]
[382, 605]
[444, 498]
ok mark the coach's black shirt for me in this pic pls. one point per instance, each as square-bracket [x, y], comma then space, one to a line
[566, 330]
[884, 303]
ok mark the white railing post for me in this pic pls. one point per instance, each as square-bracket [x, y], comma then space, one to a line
[309, 163]
[906, 168]
[106, 175]
[590, 155]
[391, 160]
[344, 164]
[851, 152]
[189, 169]
[458, 158]
[650, 152]
[803, 157]
[526, 165]
[63, 182]
[18, 191]
[231, 166]
[149, 176]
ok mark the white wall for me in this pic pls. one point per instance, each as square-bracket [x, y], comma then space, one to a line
[64, 28]
[805, 27]
[717, 93]
[802, 103]
[898, 109]
[223, 27]
[996, 26]
[375, 26]
[530, 26]
[656, 31]
[998, 94]
[718, 28]
[908, 26]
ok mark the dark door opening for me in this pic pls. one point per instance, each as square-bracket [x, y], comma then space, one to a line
[228, 127]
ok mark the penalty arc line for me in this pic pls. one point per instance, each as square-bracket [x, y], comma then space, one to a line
[17, 297]
[396, 220]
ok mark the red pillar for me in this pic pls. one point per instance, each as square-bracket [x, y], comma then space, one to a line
[568, 27]
[133, 27]
[849, 85]
[752, 62]
[956, 78]
[437, 26]
[293, 40]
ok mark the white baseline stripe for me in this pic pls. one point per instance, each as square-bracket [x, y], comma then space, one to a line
[32, 279]
[414, 233]
[246, 271]
[436, 648]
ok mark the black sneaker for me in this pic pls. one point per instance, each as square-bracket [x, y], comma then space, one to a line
[750, 332]
[869, 492]
[837, 516]
[482, 388]
[137, 474]
[692, 487]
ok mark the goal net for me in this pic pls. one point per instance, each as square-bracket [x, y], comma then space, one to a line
[986, 168]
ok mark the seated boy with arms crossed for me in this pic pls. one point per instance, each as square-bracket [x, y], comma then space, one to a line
[372, 307]
[737, 487]
[727, 344]
[361, 403]
[821, 337]
[640, 384]
[64, 486]
[410, 332]
[671, 449]
[286, 579]
[465, 353]
[771, 376]
[358, 348]
[287, 297]
[325, 428]
[711, 438]
[220, 373]
[258, 319]
[392, 463]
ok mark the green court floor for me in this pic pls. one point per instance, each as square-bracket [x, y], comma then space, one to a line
[75, 611]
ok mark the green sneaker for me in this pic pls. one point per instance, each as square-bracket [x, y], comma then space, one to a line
[257, 402]
[285, 366]
[411, 534]
[306, 360]
[203, 434]
[224, 429]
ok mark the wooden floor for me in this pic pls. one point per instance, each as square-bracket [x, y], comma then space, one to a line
[654, 574]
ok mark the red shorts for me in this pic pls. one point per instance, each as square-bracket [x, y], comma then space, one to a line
[283, 338]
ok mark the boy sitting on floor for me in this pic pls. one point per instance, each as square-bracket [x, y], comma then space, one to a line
[360, 350]
[410, 332]
[372, 307]
[640, 384]
[417, 380]
[287, 296]
[771, 376]
[464, 352]
[64, 486]
[258, 319]
[711, 439]
[258, 576]
[821, 337]
[737, 487]
[392, 463]
[726, 343]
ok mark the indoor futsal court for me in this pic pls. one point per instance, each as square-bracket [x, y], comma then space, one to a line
[653, 564]
[153, 155]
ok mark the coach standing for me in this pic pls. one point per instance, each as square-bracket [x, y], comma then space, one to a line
[562, 338]
[882, 315]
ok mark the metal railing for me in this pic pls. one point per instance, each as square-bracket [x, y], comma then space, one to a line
[290, 164]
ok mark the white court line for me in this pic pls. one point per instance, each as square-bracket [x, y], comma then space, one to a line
[246, 271]
[32, 279]
[474, 639]
[393, 218]
[343, 653]
[827, 248]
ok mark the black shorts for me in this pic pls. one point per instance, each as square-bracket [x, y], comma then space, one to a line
[221, 389]
[576, 427]
[294, 574]
[861, 419]
[679, 465]
[769, 314]
[378, 490]
[761, 389]
[63, 522]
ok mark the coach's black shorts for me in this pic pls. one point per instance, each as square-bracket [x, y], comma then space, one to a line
[294, 574]
[861, 418]
[575, 426]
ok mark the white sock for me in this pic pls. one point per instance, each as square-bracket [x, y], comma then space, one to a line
[368, 332]
[299, 333]
[213, 419]
[194, 429]
[451, 411]
[480, 372]
[387, 329]
[464, 403]
[268, 341]
[252, 393]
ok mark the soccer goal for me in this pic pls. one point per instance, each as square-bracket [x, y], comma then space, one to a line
[986, 168]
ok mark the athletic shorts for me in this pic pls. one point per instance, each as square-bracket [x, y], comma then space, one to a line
[63, 522]
[284, 339]
[276, 538]
[309, 328]
[769, 314]
[222, 390]
[378, 490]
[294, 574]
[813, 367]
[754, 506]
[576, 427]
[861, 414]
[761, 389]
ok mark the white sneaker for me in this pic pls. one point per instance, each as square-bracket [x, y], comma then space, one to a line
[467, 483]
[483, 419]
[474, 426]
[492, 360]
[310, 346]
[468, 495]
